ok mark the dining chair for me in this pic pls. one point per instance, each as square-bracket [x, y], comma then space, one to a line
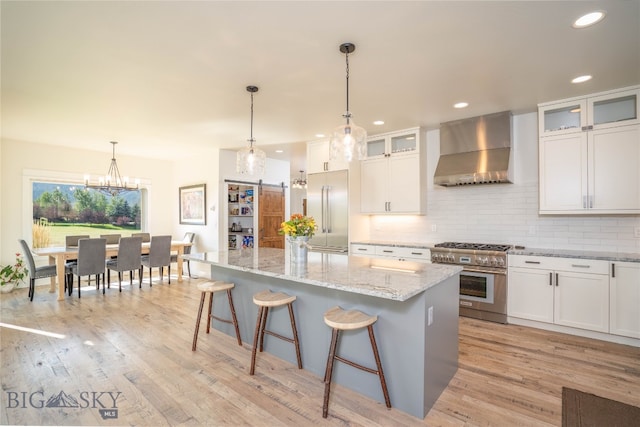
[188, 237]
[35, 272]
[159, 255]
[112, 239]
[72, 242]
[91, 260]
[146, 237]
[129, 259]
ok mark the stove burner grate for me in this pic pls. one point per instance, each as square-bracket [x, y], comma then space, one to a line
[474, 246]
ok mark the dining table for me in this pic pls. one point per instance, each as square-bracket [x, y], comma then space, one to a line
[58, 255]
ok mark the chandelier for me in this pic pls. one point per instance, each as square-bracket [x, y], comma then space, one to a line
[251, 160]
[112, 184]
[299, 183]
[348, 141]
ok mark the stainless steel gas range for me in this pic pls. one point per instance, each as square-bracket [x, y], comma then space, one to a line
[483, 280]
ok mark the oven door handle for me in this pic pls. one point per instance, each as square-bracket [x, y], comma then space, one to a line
[480, 270]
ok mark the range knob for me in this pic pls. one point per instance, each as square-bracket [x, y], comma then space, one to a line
[494, 261]
[434, 257]
[500, 262]
[483, 260]
[451, 258]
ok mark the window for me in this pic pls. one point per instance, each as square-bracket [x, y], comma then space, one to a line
[64, 209]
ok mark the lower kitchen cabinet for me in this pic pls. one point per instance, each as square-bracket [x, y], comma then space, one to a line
[563, 291]
[530, 294]
[401, 253]
[624, 304]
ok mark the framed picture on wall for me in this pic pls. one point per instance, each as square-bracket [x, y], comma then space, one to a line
[193, 202]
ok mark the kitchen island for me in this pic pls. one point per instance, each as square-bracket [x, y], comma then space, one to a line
[416, 304]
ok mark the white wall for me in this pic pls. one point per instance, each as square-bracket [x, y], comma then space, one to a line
[23, 159]
[504, 213]
[202, 168]
[295, 203]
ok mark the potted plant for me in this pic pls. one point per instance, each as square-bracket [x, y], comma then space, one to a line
[12, 274]
[298, 231]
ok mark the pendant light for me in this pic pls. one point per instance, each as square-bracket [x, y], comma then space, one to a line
[112, 184]
[251, 160]
[348, 141]
[300, 183]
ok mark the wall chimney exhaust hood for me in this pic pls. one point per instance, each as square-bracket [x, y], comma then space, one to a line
[475, 151]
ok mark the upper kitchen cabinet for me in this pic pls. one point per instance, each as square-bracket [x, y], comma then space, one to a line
[590, 161]
[393, 174]
[599, 111]
[394, 144]
[318, 158]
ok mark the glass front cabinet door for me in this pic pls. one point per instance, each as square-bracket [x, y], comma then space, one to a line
[391, 144]
[599, 111]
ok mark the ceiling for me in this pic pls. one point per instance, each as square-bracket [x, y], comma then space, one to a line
[166, 79]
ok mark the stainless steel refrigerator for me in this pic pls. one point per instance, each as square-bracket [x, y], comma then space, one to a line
[327, 203]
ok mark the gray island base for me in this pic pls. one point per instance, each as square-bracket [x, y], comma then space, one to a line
[419, 357]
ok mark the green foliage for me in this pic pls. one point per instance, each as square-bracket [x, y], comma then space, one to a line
[13, 272]
[85, 206]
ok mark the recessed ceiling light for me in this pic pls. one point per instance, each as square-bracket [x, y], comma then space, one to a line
[581, 79]
[279, 151]
[589, 19]
[378, 122]
[320, 135]
[460, 105]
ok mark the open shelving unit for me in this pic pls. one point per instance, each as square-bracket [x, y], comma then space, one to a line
[241, 210]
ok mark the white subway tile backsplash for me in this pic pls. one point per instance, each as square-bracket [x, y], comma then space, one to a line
[506, 213]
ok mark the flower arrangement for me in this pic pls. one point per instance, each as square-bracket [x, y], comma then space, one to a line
[13, 273]
[298, 226]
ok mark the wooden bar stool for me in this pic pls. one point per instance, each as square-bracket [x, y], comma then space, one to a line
[265, 300]
[342, 320]
[211, 288]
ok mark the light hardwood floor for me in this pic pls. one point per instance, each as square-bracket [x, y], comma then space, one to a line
[138, 343]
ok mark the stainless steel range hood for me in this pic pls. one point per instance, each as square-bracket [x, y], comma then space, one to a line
[475, 151]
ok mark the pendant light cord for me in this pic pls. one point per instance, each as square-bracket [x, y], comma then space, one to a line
[347, 114]
[251, 140]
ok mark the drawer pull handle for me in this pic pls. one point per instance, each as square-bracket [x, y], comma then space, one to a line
[417, 253]
[532, 262]
[363, 249]
[387, 251]
[580, 266]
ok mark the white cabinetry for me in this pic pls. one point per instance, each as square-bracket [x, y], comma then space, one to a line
[318, 158]
[401, 253]
[589, 152]
[393, 174]
[563, 291]
[624, 304]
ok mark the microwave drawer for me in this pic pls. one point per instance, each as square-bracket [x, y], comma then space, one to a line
[404, 253]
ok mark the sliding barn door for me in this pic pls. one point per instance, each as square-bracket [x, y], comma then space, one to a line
[271, 215]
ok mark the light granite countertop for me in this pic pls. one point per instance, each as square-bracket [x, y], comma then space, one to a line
[395, 244]
[558, 253]
[389, 279]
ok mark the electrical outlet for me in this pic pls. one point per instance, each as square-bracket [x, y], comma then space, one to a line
[636, 232]
[430, 316]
